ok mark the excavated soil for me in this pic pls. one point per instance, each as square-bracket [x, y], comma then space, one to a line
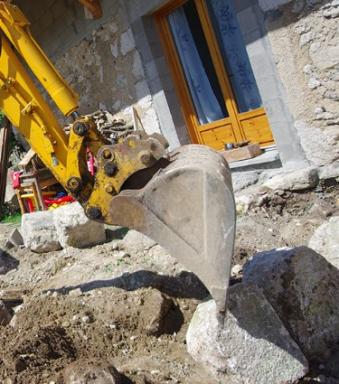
[52, 331]
[285, 219]
[117, 306]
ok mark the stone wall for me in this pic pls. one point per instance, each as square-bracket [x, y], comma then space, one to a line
[304, 38]
[106, 70]
[99, 59]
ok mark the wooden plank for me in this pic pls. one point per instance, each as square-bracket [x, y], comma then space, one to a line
[137, 123]
[21, 203]
[24, 162]
[4, 153]
[242, 153]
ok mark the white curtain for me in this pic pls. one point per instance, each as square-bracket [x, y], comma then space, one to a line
[231, 42]
[205, 102]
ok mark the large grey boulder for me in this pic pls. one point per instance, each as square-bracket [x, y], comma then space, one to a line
[75, 229]
[325, 241]
[302, 287]
[251, 347]
[38, 232]
[298, 180]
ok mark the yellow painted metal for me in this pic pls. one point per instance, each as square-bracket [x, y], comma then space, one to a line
[24, 106]
[126, 155]
[22, 103]
[15, 26]
[65, 156]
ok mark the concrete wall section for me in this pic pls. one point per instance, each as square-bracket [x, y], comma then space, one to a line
[270, 86]
[157, 70]
[304, 39]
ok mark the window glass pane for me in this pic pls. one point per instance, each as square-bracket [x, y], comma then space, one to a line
[232, 46]
[197, 64]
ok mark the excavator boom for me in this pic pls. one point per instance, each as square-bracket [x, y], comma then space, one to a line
[183, 199]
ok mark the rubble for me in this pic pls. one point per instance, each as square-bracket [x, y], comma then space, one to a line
[326, 241]
[249, 198]
[321, 209]
[5, 316]
[252, 346]
[241, 180]
[66, 226]
[302, 287]
[298, 180]
[155, 311]
[86, 373]
[14, 239]
[75, 292]
[130, 300]
[7, 262]
[75, 229]
[39, 232]
[236, 270]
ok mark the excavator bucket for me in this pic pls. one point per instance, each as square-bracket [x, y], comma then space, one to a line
[187, 206]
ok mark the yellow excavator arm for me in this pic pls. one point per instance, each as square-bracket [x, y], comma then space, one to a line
[182, 199]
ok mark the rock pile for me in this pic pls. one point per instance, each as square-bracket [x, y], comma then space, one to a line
[281, 317]
[63, 227]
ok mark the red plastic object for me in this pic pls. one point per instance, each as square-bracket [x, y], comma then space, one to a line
[30, 205]
[60, 200]
[15, 176]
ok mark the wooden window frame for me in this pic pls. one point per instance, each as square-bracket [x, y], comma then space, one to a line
[188, 110]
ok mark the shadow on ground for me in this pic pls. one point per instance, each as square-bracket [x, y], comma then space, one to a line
[7, 262]
[185, 284]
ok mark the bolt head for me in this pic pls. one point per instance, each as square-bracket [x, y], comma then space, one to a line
[93, 213]
[110, 169]
[107, 154]
[80, 128]
[109, 188]
[74, 184]
[146, 157]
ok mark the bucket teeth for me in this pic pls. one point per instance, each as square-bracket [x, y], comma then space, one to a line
[188, 208]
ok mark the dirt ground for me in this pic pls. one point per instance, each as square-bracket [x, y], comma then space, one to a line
[117, 305]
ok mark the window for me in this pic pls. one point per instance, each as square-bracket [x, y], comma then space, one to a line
[212, 72]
